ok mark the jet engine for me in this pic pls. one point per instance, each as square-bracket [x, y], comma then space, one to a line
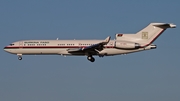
[126, 45]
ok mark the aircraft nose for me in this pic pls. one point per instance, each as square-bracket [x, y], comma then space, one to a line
[9, 50]
[6, 49]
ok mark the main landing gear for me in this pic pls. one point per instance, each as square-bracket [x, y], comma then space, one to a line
[90, 58]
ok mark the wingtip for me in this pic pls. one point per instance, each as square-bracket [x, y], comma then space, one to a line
[108, 39]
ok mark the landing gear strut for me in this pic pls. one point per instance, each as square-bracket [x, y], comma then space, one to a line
[90, 58]
[20, 57]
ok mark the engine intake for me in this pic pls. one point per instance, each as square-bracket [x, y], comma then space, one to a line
[126, 45]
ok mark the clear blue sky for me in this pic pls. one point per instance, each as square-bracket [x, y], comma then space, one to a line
[145, 76]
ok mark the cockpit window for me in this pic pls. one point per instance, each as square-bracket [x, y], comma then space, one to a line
[11, 44]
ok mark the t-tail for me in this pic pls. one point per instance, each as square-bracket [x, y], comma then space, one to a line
[146, 36]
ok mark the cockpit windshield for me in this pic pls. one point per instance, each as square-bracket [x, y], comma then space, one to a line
[11, 44]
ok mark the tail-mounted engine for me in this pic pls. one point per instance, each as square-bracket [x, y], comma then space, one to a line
[126, 45]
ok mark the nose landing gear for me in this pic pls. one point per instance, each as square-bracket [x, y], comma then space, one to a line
[90, 58]
[20, 57]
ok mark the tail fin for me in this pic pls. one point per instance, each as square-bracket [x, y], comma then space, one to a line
[147, 35]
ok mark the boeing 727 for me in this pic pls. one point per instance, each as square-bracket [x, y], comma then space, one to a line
[123, 44]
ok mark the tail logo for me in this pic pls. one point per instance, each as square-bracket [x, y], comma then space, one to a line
[144, 35]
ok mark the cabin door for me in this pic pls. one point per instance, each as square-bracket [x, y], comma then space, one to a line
[21, 44]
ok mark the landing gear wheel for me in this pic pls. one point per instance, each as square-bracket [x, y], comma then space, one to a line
[20, 58]
[90, 58]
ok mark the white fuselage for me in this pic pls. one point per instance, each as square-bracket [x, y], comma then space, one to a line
[124, 44]
[55, 47]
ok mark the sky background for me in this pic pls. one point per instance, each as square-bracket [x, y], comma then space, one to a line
[152, 75]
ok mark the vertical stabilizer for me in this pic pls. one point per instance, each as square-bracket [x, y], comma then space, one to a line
[147, 35]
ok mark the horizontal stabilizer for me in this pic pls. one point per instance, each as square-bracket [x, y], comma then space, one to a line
[164, 25]
[147, 35]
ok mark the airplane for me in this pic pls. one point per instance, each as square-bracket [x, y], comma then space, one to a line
[123, 44]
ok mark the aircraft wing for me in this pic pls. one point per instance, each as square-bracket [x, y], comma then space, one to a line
[95, 47]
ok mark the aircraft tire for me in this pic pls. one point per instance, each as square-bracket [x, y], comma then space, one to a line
[90, 58]
[19, 58]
